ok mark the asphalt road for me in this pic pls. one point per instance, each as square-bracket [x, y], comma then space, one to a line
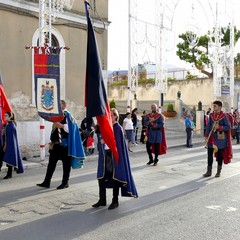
[175, 202]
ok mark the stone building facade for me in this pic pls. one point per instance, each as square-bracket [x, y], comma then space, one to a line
[19, 27]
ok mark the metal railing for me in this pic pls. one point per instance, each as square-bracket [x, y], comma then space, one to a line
[189, 110]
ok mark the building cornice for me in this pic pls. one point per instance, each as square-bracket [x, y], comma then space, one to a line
[66, 15]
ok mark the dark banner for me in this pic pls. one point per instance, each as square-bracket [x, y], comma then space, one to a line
[96, 102]
[47, 83]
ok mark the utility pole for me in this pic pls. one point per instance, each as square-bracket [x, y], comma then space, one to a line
[232, 62]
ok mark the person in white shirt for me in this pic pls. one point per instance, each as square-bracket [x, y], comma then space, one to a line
[128, 129]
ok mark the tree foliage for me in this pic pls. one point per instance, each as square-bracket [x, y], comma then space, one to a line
[198, 55]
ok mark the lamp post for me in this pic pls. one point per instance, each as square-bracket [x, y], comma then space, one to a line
[160, 70]
[232, 62]
[132, 52]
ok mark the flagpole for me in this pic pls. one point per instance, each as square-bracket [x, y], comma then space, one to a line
[42, 25]
[129, 58]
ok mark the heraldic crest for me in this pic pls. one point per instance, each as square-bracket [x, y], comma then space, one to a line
[47, 83]
[47, 97]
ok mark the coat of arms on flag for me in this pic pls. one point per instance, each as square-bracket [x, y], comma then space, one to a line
[47, 98]
[47, 83]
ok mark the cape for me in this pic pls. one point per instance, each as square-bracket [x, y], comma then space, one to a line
[75, 147]
[163, 145]
[227, 152]
[12, 155]
[122, 171]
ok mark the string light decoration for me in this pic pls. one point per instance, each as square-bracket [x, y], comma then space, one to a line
[49, 11]
[192, 29]
[147, 38]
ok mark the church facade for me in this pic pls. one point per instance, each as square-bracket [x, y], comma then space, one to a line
[19, 27]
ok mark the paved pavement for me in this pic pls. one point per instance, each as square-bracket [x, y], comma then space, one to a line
[171, 143]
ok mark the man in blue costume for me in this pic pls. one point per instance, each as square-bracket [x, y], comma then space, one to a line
[218, 139]
[155, 135]
[65, 144]
[109, 173]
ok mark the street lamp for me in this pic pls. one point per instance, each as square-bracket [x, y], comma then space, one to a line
[132, 52]
[160, 55]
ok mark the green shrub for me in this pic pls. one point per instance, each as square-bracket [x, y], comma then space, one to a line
[190, 75]
[122, 82]
[171, 78]
[112, 104]
[170, 108]
[140, 81]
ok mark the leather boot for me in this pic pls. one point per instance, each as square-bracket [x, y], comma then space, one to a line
[113, 205]
[44, 184]
[219, 168]
[209, 172]
[9, 173]
[102, 194]
[63, 185]
[99, 204]
[155, 162]
[149, 162]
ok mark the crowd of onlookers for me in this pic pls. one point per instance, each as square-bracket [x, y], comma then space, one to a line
[131, 126]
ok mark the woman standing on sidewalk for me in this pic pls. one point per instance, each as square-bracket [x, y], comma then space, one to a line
[12, 155]
[128, 129]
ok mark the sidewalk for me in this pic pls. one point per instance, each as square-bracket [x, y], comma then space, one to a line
[171, 143]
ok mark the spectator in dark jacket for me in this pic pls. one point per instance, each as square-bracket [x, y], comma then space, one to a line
[135, 122]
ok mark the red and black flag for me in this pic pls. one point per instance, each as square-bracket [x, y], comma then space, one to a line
[4, 104]
[96, 102]
[47, 83]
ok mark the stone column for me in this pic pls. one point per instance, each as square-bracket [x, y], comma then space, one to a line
[178, 107]
[200, 122]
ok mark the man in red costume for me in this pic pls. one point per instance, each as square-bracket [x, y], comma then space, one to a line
[218, 138]
[156, 141]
